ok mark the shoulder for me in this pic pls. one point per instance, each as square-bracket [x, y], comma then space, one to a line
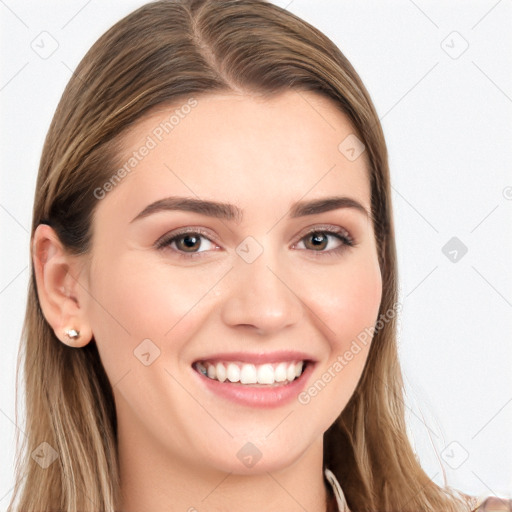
[487, 503]
[494, 504]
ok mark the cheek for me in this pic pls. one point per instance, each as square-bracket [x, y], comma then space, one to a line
[137, 301]
[347, 300]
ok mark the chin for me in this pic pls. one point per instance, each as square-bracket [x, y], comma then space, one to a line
[248, 456]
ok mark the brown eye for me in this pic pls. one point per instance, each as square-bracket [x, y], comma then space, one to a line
[318, 240]
[188, 242]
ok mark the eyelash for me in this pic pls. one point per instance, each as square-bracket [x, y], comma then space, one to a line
[341, 234]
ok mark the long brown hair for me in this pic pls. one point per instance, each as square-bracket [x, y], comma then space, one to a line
[163, 53]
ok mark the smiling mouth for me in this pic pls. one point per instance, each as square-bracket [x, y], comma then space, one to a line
[254, 375]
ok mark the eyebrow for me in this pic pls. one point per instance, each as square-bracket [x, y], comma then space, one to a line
[231, 212]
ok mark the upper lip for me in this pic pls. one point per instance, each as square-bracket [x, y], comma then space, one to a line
[259, 357]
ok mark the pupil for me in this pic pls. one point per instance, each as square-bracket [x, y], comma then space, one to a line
[317, 237]
[190, 241]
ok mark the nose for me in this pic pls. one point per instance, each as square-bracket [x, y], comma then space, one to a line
[261, 296]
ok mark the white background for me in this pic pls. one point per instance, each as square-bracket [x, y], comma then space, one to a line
[447, 120]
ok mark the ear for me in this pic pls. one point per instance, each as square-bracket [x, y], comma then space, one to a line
[61, 288]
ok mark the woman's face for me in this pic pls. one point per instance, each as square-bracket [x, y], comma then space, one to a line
[249, 293]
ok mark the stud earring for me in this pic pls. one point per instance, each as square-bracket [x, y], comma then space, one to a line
[72, 334]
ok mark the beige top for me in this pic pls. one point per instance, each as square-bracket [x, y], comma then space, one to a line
[480, 504]
[338, 493]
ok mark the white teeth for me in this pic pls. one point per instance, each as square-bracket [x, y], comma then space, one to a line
[212, 373]
[266, 374]
[280, 372]
[233, 372]
[290, 372]
[252, 374]
[221, 372]
[248, 374]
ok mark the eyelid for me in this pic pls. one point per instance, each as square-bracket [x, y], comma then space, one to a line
[325, 227]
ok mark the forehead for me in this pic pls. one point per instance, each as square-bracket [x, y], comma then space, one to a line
[239, 148]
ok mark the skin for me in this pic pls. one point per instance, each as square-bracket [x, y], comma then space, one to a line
[177, 441]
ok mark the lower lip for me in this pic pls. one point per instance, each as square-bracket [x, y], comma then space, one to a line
[264, 397]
